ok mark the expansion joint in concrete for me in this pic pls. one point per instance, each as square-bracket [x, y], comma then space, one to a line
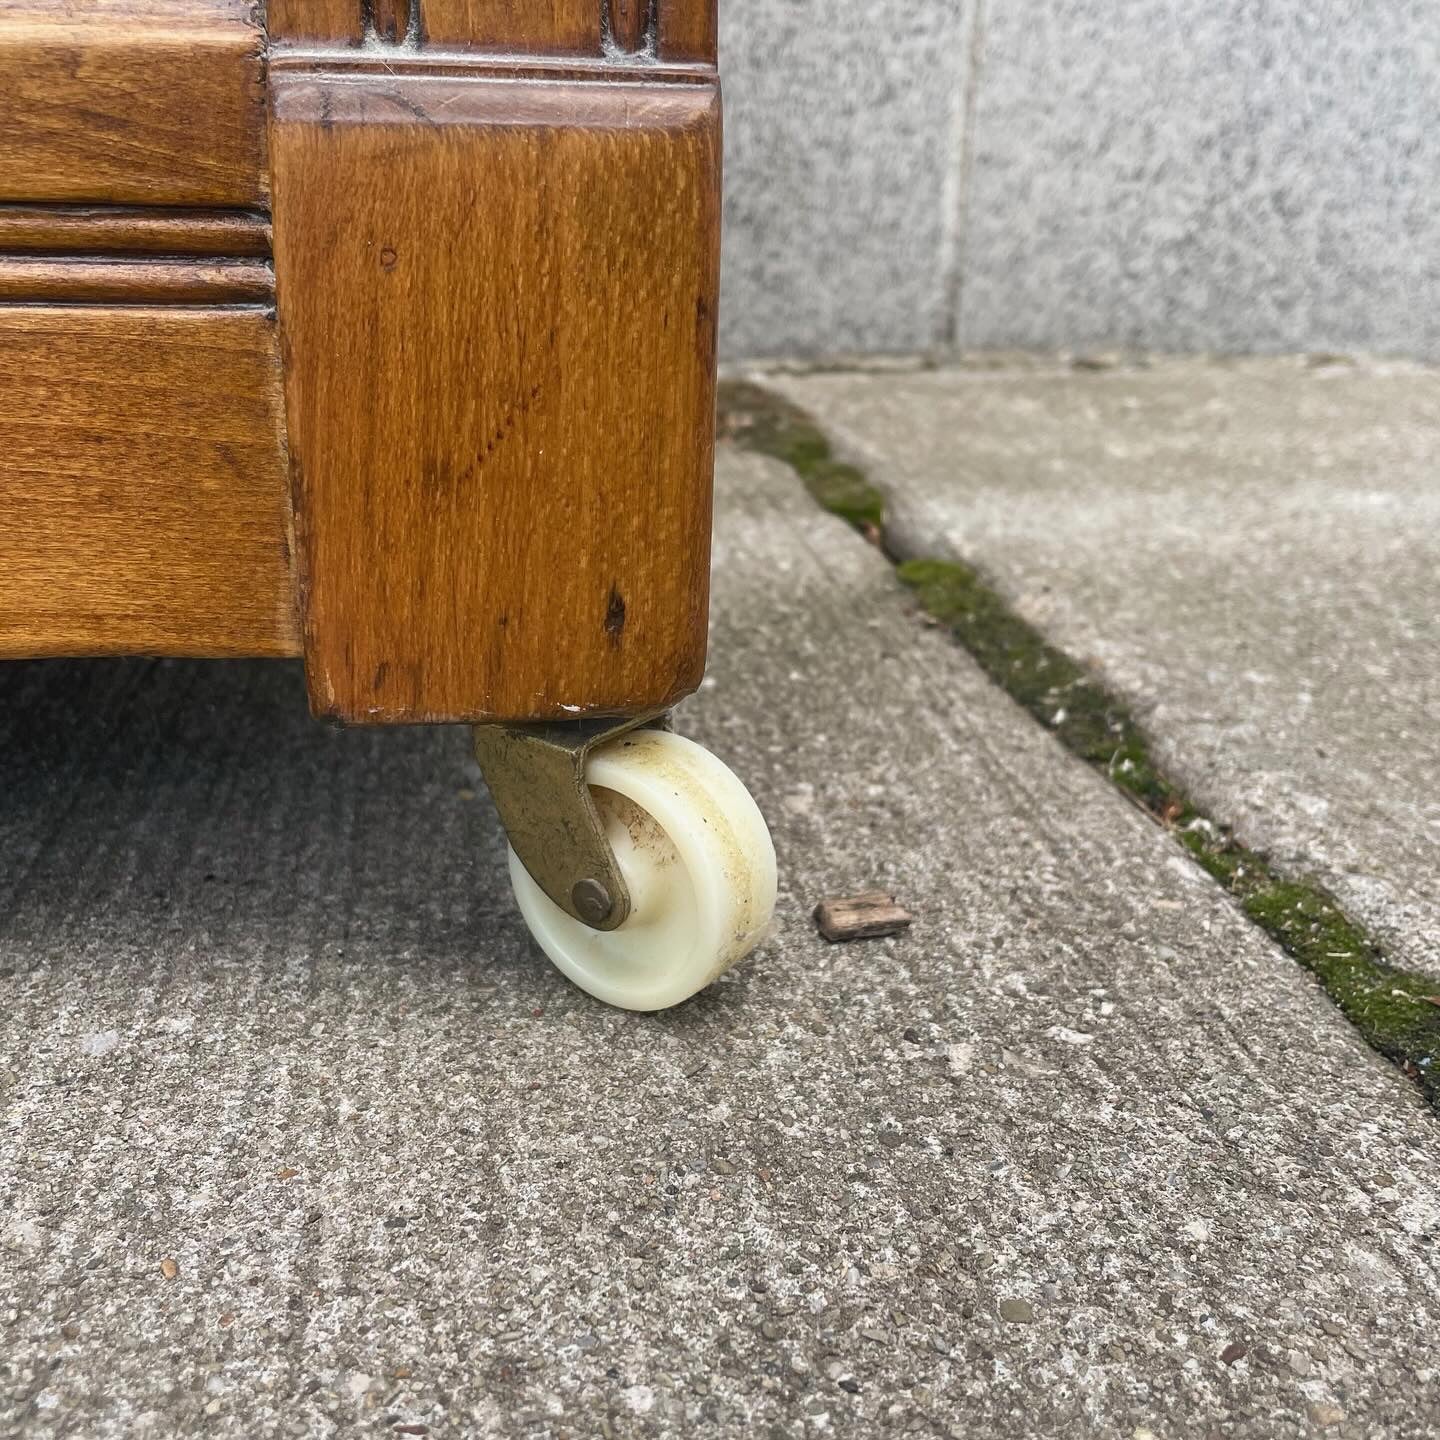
[1397, 1011]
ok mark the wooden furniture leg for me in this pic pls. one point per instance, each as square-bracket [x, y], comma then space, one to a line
[449, 435]
[497, 299]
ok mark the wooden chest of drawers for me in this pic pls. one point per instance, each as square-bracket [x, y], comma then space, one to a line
[382, 333]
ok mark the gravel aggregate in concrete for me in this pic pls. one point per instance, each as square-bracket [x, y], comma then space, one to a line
[1245, 177]
[1247, 551]
[302, 1137]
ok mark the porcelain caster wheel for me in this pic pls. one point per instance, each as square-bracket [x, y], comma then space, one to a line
[696, 855]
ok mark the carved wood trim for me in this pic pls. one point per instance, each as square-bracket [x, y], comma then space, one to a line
[152, 280]
[682, 31]
[132, 230]
[341, 22]
[688, 31]
[629, 24]
[536, 27]
[132, 255]
[391, 20]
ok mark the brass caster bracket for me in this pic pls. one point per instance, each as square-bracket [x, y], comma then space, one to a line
[536, 775]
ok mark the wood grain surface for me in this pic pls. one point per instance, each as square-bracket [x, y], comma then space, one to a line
[143, 488]
[688, 30]
[569, 27]
[498, 303]
[628, 20]
[392, 19]
[132, 102]
[334, 20]
[94, 229]
[148, 280]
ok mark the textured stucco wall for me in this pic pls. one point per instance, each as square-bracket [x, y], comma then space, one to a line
[1237, 175]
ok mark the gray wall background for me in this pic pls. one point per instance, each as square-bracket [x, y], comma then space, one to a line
[1233, 175]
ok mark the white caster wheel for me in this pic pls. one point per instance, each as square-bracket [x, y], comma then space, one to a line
[698, 861]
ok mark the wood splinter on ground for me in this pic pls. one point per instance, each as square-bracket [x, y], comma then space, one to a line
[861, 917]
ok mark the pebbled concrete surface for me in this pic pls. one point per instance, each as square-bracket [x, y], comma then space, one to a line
[1249, 551]
[842, 173]
[1233, 176]
[302, 1138]
[1081, 173]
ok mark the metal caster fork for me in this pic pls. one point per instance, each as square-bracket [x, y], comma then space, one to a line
[640, 862]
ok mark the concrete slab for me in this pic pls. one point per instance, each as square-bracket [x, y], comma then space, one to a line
[842, 173]
[301, 1134]
[1242, 177]
[1248, 551]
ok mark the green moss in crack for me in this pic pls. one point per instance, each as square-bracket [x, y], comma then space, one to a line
[760, 421]
[1396, 1011]
[1048, 683]
[1393, 1009]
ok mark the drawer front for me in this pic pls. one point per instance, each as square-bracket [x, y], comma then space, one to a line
[143, 491]
[133, 102]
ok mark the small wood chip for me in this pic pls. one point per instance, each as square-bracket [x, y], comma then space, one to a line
[861, 917]
[168, 1268]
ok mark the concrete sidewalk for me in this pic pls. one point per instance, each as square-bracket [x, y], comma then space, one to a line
[1248, 551]
[303, 1136]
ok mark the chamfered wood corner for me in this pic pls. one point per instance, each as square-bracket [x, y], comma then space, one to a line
[497, 300]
